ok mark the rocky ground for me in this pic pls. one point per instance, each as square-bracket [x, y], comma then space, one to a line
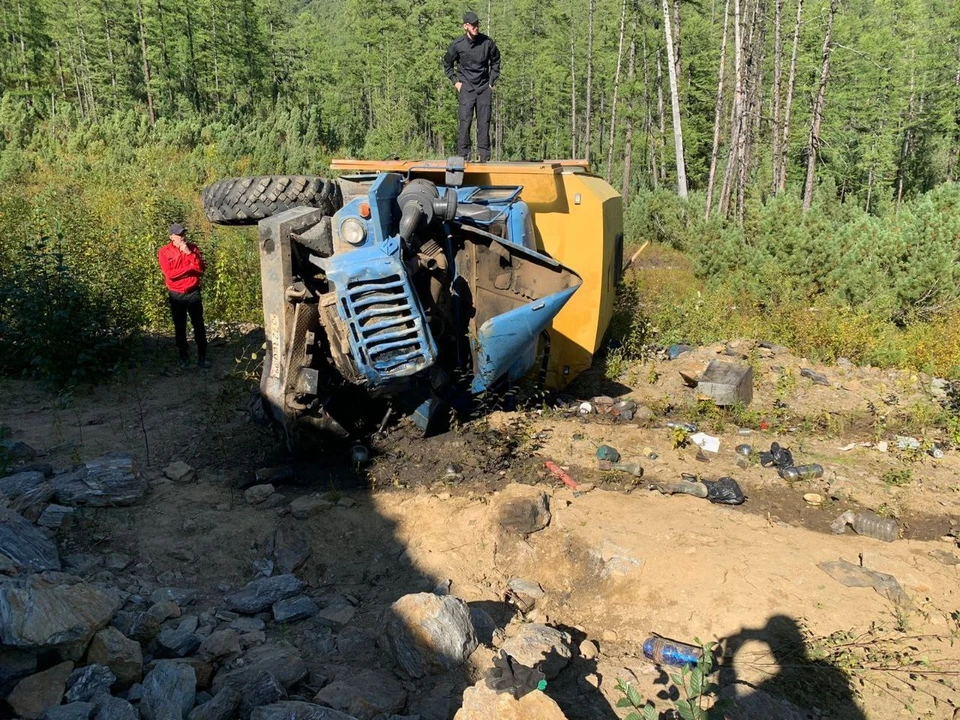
[162, 557]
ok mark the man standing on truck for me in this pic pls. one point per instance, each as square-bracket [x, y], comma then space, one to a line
[478, 67]
[182, 266]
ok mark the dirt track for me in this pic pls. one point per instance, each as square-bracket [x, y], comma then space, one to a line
[681, 567]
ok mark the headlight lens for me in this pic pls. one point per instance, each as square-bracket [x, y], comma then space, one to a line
[353, 231]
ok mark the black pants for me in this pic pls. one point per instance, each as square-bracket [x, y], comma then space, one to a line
[470, 99]
[181, 305]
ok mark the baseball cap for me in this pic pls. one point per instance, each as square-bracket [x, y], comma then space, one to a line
[177, 229]
[471, 18]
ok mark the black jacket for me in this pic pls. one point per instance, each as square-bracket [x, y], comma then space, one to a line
[478, 61]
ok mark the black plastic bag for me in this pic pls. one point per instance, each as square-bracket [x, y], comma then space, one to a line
[725, 491]
[778, 457]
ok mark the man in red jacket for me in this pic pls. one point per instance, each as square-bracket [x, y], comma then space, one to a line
[182, 265]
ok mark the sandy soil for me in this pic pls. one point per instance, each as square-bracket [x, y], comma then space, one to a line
[617, 563]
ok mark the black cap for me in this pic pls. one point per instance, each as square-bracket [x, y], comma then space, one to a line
[177, 229]
[471, 18]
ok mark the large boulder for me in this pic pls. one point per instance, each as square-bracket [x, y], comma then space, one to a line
[169, 691]
[522, 510]
[222, 707]
[292, 710]
[111, 480]
[428, 634]
[27, 546]
[13, 486]
[264, 690]
[54, 610]
[480, 702]
[122, 655]
[365, 694]
[139, 626]
[34, 694]
[259, 595]
[86, 683]
[106, 707]
[540, 646]
[70, 711]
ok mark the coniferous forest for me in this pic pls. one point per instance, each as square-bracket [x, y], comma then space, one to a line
[793, 159]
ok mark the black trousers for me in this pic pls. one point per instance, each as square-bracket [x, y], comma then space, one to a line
[470, 99]
[181, 305]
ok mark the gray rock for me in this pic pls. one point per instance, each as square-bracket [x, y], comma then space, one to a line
[73, 711]
[190, 623]
[307, 506]
[54, 609]
[117, 561]
[264, 690]
[176, 643]
[17, 450]
[437, 705]
[247, 624]
[484, 626]
[86, 683]
[292, 609]
[16, 664]
[264, 567]
[81, 563]
[135, 693]
[122, 655]
[326, 643]
[181, 596]
[337, 615]
[32, 503]
[365, 694]
[40, 467]
[291, 549]
[259, 595]
[111, 480]
[140, 626]
[180, 472]
[427, 634]
[258, 493]
[222, 707]
[221, 643]
[36, 693]
[169, 691]
[13, 486]
[113, 708]
[56, 516]
[164, 610]
[281, 660]
[540, 646]
[523, 514]
[29, 547]
[292, 710]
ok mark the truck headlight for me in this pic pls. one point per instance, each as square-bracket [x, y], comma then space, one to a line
[353, 231]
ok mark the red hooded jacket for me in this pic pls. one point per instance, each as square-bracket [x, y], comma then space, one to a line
[181, 272]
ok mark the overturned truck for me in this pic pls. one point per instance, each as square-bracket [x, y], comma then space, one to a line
[424, 283]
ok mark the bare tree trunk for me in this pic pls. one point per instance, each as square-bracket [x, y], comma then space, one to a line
[216, 57]
[651, 143]
[163, 51]
[146, 65]
[661, 119]
[813, 144]
[736, 112]
[573, 97]
[191, 52]
[751, 126]
[905, 146]
[777, 87]
[63, 84]
[788, 103]
[628, 136]
[869, 188]
[616, 91]
[106, 30]
[676, 41]
[675, 104]
[23, 49]
[718, 112]
[589, 108]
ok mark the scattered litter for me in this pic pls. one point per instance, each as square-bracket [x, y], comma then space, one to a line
[359, 455]
[882, 446]
[509, 675]
[675, 351]
[686, 427]
[649, 452]
[610, 454]
[453, 473]
[624, 409]
[850, 575]
[847, 448]
[706, 442]
[555, 469]
[867, 523]
[778, 457]
[744, 450]
[744, 431]
[632, 468]
[947, 558]
[813, 499]
[585, 408]
[664, 651]
[935, 452]
[725, 491]
[802, 472]
[905, 442]
[818, 378]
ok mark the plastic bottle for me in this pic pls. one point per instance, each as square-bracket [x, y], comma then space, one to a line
[802, 472]
[744, 450]
[670, 652]
[872, 525]
[605, 452]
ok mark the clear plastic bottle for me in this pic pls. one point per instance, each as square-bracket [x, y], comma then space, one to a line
[670, 652]
[869, 524]
[802, 472]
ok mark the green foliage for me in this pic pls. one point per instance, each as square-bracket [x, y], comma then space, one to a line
[897, 478]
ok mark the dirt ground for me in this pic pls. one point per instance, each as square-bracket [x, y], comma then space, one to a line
[617, 562]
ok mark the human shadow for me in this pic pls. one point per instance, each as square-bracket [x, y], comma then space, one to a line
[793, 678]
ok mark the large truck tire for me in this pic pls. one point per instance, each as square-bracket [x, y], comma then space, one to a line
[247, 200]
